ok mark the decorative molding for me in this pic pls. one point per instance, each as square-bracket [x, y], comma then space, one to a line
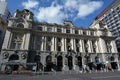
[5, 55]
[24, 55]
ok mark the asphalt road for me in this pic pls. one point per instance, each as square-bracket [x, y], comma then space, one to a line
[64, 76]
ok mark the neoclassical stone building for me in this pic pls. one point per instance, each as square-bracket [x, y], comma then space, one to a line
[64, 45]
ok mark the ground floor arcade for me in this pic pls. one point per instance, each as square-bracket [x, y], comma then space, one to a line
[58, 61]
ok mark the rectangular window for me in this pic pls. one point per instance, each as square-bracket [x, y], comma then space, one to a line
[16, 41]
[48, 39]
[92, 33]
[48, 47]
[67, 30]
[76, 31]
[49, 29]
[58, 39]
[37, 47]
[19, 46]
[68, 40]
[59, 30]
[38, 42]
[40, 28]
[59, 48]
[84, 33]
[13, 45]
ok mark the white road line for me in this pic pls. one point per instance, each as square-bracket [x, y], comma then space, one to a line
[72, 79]
[104, 77]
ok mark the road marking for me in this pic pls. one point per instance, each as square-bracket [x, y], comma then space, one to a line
[104, 77]
[72, 79]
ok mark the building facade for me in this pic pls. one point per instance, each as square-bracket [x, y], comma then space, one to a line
[63, 45]
[111, 15]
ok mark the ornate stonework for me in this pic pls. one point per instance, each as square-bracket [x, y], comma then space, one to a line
[66, 44]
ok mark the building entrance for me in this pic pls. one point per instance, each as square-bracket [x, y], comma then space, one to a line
[37, 61]
[12, 59]
[59, 63]
[49, 63]
[79, 61]
[70, 62]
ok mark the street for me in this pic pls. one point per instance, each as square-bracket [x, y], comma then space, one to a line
[64, 76]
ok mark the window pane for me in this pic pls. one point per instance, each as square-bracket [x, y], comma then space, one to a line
[76, 31]
[67, 30]
[13, 45]
[40, 28]
[84, 32]
[49, 29]
[59, 30]
[19, 46]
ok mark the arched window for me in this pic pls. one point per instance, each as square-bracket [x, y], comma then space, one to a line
[20, 25]
[13, 57]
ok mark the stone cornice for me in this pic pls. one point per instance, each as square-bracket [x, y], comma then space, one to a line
[59, 25]
[53, 34]
[108, 38]
[63, 35]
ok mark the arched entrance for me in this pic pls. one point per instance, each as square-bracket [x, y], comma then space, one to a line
[70, 62]
[49, 63]
[113, 63]
[59, 63]
[12, 59]
[37, 61]
[79, 61]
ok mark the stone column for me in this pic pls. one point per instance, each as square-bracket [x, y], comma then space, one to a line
[113, 47]
[89, 46]
[83, 46]
[102, 44]
[27, 41]
[72, 43]
[63, 44]
[42, 44]
[80, 43]
[7, 40]
[53, 44]
[45, 43]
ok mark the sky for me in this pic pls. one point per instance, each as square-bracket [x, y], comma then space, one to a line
[81, 12]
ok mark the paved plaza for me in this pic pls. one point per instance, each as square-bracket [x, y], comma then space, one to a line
[64, 76]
